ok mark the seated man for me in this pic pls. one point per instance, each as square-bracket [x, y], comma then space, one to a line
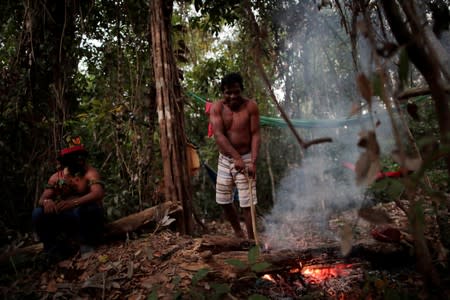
[71, 204]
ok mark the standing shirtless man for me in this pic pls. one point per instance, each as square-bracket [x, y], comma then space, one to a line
[235, 121]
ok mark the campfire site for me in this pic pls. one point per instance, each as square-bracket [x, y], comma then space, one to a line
[155, 262]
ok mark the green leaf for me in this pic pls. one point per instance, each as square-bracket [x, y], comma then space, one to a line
[153, 295]
[220, 288]
[199, 275]
[394, 188]
[259, 267]
[236, 263]
[253, 255]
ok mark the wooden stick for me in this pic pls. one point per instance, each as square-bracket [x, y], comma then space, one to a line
[252, 208]
[417, 91]
[317, 141]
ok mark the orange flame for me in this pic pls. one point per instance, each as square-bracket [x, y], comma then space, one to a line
[321, 273]
[269, 277]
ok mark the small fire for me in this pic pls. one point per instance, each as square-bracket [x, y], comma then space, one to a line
[269, 277]
[296, 281]
[318, 273]
[315, 273]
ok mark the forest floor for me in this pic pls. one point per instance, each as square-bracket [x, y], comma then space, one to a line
[167, 265]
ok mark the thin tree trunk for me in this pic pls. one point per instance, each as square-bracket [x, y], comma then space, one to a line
[170, 113]
[411, 34]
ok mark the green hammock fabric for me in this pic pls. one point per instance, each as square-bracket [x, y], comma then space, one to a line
[299, 123]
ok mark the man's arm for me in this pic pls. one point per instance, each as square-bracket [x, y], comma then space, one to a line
[46, 199]
[96, 193]
[96, 190]
[219, 132]
[47, 194]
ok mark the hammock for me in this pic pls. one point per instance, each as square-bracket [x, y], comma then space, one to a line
[302, 123]
[299, 123]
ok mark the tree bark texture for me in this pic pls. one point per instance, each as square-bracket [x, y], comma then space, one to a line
[52, 42]
[421, 55]
[170, 104]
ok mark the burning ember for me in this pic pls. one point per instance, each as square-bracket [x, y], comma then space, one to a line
[319, 273]
[335, 279]
[269, 277]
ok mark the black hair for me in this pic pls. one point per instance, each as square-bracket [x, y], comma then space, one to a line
[230, 79]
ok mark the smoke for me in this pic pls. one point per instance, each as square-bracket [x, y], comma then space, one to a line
[320, 187]
[306, 198]
[310, 194]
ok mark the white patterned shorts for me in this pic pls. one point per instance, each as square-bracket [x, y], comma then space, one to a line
[228, 176]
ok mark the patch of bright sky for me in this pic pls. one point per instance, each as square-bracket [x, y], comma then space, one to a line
[227, 33]
[87, 43]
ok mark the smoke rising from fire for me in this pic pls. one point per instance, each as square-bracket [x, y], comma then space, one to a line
[318, 186]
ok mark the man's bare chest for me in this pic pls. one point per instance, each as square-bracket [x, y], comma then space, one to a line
[235, 120]
[68, 186]
[79, 184]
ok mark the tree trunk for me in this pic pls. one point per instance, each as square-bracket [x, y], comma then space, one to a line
[422, 56]
[410, 33]
[170, 104]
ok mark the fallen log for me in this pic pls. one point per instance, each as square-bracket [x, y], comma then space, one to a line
[19, 252]
[217, 244]
[134, 221]
[378, 255]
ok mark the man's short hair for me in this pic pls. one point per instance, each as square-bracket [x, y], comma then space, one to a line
[230, 79]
